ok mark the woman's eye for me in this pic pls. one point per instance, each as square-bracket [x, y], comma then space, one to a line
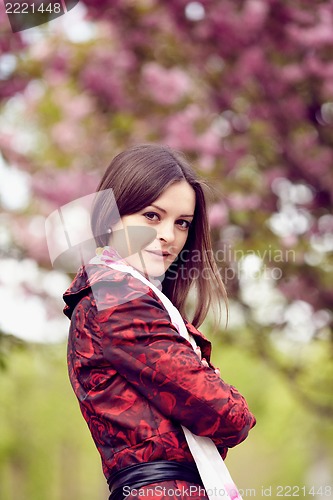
[185, 224]
[154, 217]
[151, 215]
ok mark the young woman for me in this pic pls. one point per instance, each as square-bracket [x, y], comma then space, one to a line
[140, 370]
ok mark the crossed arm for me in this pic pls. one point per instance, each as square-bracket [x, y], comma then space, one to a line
[143, 346]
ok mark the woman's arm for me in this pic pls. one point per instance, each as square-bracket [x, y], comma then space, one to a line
[139, 341]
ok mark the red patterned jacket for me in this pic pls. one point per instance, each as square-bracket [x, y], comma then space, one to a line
[138, 380]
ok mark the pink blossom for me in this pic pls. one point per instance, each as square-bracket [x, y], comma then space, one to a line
[292, 73]
[165, 86]
[106, 84]
[319, 35]
[119, 60]
[78, 107]
[314, 66]
[218, 215]
[181, 132]
[67, 136]
[239, 201]
[292, 107]
[274, 173]
[209, 142]
[41, 51]
[104, 75]
[299, 288]
[31, 238]
[179, 128]
[206, 162]
[327, 89]
[289, 241]
[255, 14]
[55, 78]
[250, 63]
[59, 188]
[325, 224]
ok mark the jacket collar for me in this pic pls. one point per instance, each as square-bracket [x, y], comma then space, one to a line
[200, 339]
[87, 276]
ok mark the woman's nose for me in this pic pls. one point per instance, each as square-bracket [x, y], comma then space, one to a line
[166, 232]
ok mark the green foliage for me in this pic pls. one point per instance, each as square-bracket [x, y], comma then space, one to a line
[45, 446]
[46, 450]
[288, 441]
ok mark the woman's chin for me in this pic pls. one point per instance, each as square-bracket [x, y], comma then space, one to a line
[154, 267]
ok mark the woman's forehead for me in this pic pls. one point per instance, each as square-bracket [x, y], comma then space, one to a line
[179, 196]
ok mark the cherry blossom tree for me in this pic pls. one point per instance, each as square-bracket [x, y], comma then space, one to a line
[244, 88]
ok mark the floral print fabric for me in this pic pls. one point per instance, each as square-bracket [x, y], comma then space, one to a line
[137, 380]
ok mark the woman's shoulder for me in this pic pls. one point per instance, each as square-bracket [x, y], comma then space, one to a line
[106, 285]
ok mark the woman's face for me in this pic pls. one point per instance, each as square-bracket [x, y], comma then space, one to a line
[170, 215]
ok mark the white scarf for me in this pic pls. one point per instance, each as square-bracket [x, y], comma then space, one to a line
[212, 469]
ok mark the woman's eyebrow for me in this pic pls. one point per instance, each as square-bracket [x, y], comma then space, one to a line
[164, 211]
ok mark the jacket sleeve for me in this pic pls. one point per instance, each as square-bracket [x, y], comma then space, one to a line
[138, 340]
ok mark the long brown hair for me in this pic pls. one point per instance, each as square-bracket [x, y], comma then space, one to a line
[137, 177]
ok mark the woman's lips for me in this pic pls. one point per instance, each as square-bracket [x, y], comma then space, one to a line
[158, 253]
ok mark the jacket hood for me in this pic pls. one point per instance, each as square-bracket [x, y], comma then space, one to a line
[87, 276]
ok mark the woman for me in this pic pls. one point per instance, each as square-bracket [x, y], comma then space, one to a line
[141, 381]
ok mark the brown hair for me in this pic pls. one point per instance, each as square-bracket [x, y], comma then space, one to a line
[137, 177]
